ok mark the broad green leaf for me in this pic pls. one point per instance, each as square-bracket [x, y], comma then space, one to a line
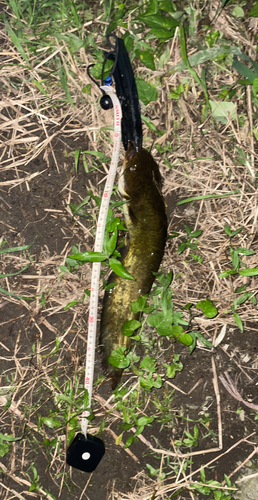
[128, 41]
[4, 448]
[255, 86]
[174, 367]
[252, 271]
[96, 70]
[238, 321]
[254, 11]
[89, 256]
[223, 111]
[118, 358]
[119, 269]
[207, 308]
[146, 91]
[238, 11]
[244, 70]
[145, 420]
[152, 8]
[140, 304]
[162, 33]
[167, 6]
[51, 422]
[109, 243]
[146, 58]
[129, 327]
[159, 21]
[129, 441]
[148, 364]
[185, 339]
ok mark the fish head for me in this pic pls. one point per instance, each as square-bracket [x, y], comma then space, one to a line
[138, 172]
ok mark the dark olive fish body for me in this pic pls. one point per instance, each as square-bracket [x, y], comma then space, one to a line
[146, 221]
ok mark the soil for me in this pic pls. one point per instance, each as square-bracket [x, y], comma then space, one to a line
[37, 210]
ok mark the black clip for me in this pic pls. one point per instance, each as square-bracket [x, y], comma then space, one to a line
[85, 453]
[126, 91]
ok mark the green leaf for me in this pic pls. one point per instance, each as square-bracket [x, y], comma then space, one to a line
[129, 441]
[254, 11]
[224, 274]
[242, 299]
[231, 233]
[174, 367]
[167, 6]
[238, 321]
[235, 259]
[17, 249]
[146, 91]
[140, 304]
[119, 269]
[16, 40]
[89, 256]
[51, 422]
[223, 111]
[109, 243]
[2, 290]
[244, 251]
[253, 271]
[128, 41]
[130, 326]
[71, 304]
[206, 197]
[181, 248]
[152, 8]
[96, 70]
[162, 33]
[244, 70]
[146, 58]
[159, 21]
[148, 364]
[15, 274]
[118, 358]
[238, 11]
[202, 339]
[101, 156]
[207, 308]
[9, 438]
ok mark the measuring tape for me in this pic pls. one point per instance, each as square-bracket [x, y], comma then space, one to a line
[93, 310]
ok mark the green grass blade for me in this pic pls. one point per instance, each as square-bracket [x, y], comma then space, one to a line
[15, 41]
[207, 196]
[15, 274]
[2, 290]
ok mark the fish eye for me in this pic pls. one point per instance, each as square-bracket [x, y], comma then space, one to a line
[132, 168]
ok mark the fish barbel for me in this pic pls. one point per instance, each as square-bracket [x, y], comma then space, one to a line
[146, 221]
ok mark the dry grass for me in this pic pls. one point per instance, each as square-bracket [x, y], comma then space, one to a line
[207, 162]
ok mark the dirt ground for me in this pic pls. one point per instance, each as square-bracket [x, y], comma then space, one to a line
[38, 209]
